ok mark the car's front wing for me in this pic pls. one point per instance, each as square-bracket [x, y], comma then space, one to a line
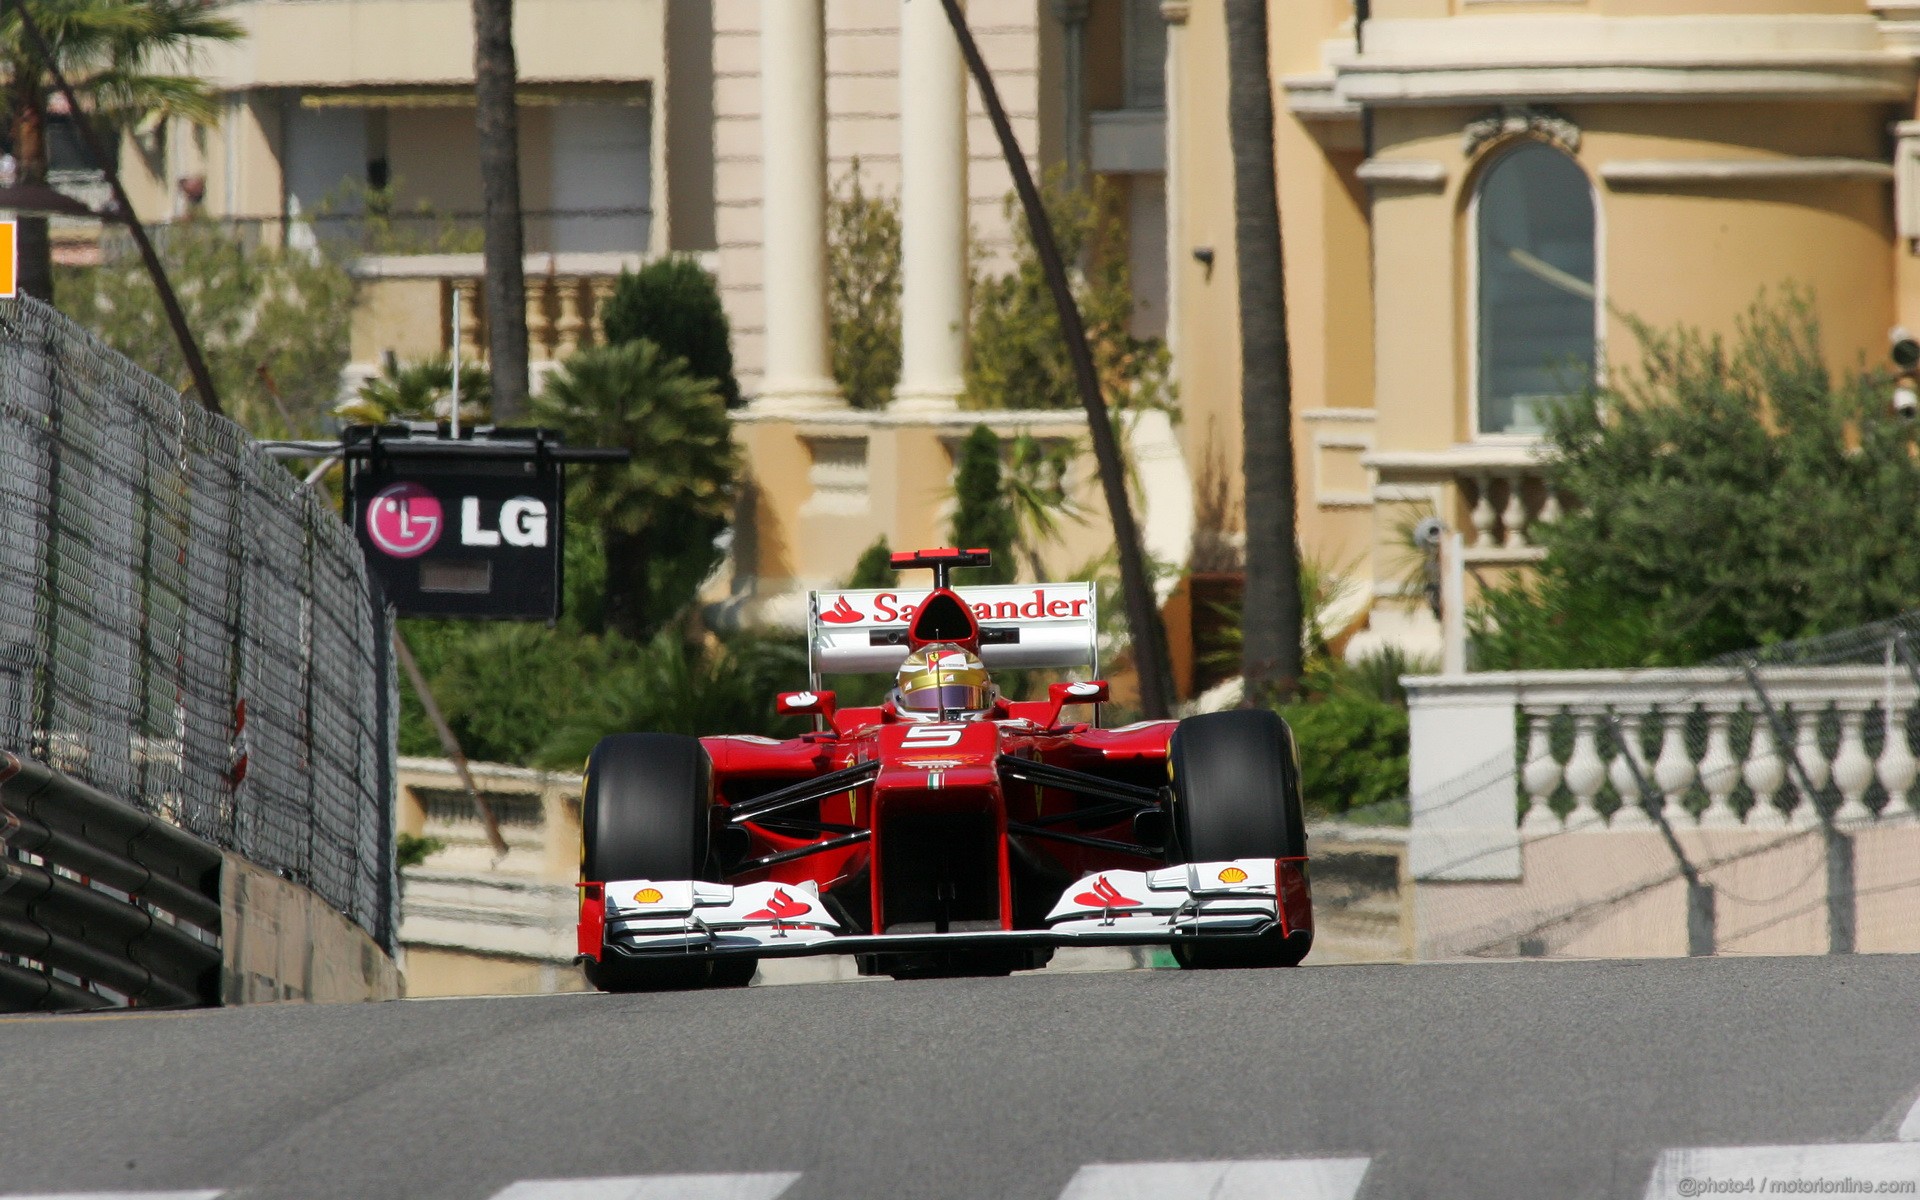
[642, 918]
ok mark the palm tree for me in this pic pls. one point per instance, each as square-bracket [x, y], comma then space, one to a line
[1034, 485]
[659, 513]
[1271, 610]
[420, 391]
[497, 121]
[123, 58]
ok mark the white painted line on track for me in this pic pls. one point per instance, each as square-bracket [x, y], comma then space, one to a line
[1262, 1179]
[200, 1195]
[1910, 1127]
[764, 1186]
[1783, 1169]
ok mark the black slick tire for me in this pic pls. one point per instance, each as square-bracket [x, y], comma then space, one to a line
[644, 814]
[1236, 794]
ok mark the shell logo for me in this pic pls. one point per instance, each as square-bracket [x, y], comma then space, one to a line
[1233, 875]
[648, 896]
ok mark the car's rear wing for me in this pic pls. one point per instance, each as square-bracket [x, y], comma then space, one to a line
[1021, 625]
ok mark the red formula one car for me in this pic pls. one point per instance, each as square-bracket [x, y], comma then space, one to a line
[949, 830]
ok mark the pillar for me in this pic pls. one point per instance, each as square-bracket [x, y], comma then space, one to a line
[793, 126]
[933, 211]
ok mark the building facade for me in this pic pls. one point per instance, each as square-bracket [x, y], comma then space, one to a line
[1478, 199]
[353, 121]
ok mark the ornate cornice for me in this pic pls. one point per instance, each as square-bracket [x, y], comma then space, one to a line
[1511, 120]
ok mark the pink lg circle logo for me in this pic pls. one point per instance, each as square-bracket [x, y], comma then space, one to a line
[404, 520]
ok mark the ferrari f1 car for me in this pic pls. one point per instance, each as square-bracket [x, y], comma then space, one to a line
[950, 829]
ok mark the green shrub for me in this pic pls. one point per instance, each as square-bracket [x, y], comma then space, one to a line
[1723, 497]
[272, 322]
[1353, 750]
[658, 513]
[675, 304]
[863, 296]
[981, 516]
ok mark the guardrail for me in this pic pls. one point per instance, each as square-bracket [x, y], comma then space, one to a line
[114, 904]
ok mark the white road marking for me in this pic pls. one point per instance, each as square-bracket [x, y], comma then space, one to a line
[1260, 1179]
[200, 1195]
[1910, 1128]
[764, 1186]
[1691, 1173]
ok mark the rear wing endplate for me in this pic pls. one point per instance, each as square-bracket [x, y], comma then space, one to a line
[1021, 625]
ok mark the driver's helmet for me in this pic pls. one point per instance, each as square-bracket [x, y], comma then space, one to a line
[942, 676]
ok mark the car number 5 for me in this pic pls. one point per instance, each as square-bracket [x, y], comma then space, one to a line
[927, 737]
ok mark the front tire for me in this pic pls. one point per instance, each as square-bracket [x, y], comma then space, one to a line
[645, 813]
[1236, 789]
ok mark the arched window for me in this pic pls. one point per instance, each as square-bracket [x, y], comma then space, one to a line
[1533, 235]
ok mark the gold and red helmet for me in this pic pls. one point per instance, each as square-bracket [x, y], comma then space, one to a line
[942, 678]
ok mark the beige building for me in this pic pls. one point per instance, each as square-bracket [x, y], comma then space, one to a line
[1476, 197]
[473, 922]
[353, 121]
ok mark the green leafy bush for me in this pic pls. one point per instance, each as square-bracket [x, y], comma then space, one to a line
[675, 304]
[1723, 497]
[659, 513]
[981, 517]
[1353, 750]
[1017, 357]
[863, 297]
[271, 322]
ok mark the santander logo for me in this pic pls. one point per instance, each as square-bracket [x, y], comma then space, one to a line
[781, 908]
[404, 520]
[1104, 895]
[842, 613]
[1026, 604]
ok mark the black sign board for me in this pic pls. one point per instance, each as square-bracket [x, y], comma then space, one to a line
[462, 528]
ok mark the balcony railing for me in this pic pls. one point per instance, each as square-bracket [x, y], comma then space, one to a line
[1496, 494]
[566, 296]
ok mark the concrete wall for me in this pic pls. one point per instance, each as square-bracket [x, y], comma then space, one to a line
[281, 943]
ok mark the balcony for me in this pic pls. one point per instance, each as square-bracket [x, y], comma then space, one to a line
[1496, 494]
[406, 305]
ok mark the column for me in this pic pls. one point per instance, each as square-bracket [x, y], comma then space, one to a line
[793, 204]
[933, 211]
[1072, 15]
[1175, 12]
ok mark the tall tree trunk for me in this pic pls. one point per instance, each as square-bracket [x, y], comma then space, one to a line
[498, 122]
[1270, 611]
[30, 155]
[1136, 585]
[629, 582]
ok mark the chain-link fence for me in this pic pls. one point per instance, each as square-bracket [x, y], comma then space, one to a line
[185, 626]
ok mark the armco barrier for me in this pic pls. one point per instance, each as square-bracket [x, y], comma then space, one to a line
[187, 632]
[95, 892]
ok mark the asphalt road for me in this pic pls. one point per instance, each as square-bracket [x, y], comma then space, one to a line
[1536, 1080]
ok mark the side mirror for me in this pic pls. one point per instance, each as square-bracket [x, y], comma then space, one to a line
[1062, 694]
[793, 704]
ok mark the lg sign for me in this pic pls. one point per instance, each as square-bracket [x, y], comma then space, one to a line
[463, 540]
[405, 520]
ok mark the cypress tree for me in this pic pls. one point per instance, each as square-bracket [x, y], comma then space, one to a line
[675, 304]
[981, 514]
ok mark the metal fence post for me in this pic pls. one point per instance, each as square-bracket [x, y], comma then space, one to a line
[1841, 900]
[1701, 935]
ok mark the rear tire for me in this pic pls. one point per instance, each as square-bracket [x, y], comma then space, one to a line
[1236, 790]
[644, 814]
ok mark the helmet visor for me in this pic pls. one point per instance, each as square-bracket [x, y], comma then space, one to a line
[947, 696]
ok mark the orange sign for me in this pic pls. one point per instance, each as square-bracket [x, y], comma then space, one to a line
[9, 259]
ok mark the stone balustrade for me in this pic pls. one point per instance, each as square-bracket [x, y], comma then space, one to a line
[1495, 494]
[1502, 757]
[406, 305]
[1701, 749]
